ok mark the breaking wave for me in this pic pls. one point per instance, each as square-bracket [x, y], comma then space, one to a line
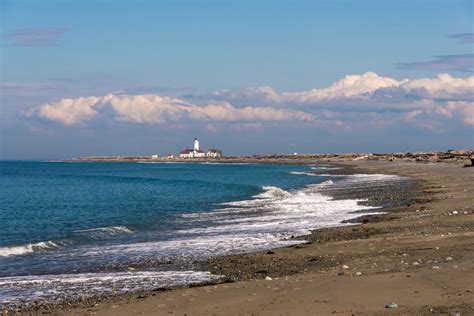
[29, 248]
[111, 230]
[59, 287]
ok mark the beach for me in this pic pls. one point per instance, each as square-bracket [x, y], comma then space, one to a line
[417, 259]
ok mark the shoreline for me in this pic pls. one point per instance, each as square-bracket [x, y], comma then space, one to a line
[466, 156]
[257, 263]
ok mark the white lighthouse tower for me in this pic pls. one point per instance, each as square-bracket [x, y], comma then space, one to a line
[196, 145]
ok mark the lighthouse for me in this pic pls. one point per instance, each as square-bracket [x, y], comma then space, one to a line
[196, 152]
[196, 144]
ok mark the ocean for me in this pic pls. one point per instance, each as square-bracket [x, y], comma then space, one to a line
[72, 230]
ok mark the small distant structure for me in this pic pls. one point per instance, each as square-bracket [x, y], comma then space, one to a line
[155, 156]
[170, 156]
[196, 152]
[214, 153]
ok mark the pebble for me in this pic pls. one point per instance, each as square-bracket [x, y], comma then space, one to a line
[448, 258]
[268, 278]
[455, 212]
[345, 266]
[435, 267]
[415, 263]
[358, 273]
[391, 305]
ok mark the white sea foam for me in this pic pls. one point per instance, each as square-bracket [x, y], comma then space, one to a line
[224, 163]
[160, 162]
[324, 168]
[55, 288]
[99, 232]
[304, 173]
[28, 248]
[267, 220]
[112, 230]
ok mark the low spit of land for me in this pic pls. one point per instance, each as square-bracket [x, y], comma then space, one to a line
[435, 156]
[416, 259]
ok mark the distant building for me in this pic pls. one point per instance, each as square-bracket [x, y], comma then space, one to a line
[196, 152]
[214, 153]
[155, 156]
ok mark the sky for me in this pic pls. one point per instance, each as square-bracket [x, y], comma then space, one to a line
[80, 78]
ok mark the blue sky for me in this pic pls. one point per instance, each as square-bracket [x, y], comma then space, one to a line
[192, 50]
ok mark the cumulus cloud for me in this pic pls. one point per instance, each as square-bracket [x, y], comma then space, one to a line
[369, 93]
[443, 86]
[467, 109]
[367, 98]
[351, 86]
[156, 109]
[364, 87]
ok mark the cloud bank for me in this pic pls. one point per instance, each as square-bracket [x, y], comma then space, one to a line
[156, 109]
[364, 99]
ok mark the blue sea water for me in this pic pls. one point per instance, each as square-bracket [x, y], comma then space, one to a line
[69, 229]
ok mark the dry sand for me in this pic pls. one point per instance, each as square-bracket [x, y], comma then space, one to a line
[419, 256]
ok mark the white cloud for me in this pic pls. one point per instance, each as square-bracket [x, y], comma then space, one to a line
[348, 87]
[360, 87]
[466, 108]
[351, 86]
[70, 111]
[156, 109]
[364, 99]
[371, 93]
[442, 86]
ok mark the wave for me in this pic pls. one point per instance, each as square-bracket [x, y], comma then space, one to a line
[354, 177]
[225, 163]
[160, 162]
[324, 168]
[103, 232]
[29, 248]
[108, 230]
[273, 192]
[304, 173]
[269, 219]
[60, 287]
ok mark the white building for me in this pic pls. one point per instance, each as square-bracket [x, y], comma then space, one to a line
[214, 153]
[196, 144]
[196, 152]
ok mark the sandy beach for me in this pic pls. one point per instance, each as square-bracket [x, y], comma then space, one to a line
[417, 259]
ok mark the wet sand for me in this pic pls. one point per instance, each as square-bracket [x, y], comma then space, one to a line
[419, 256]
